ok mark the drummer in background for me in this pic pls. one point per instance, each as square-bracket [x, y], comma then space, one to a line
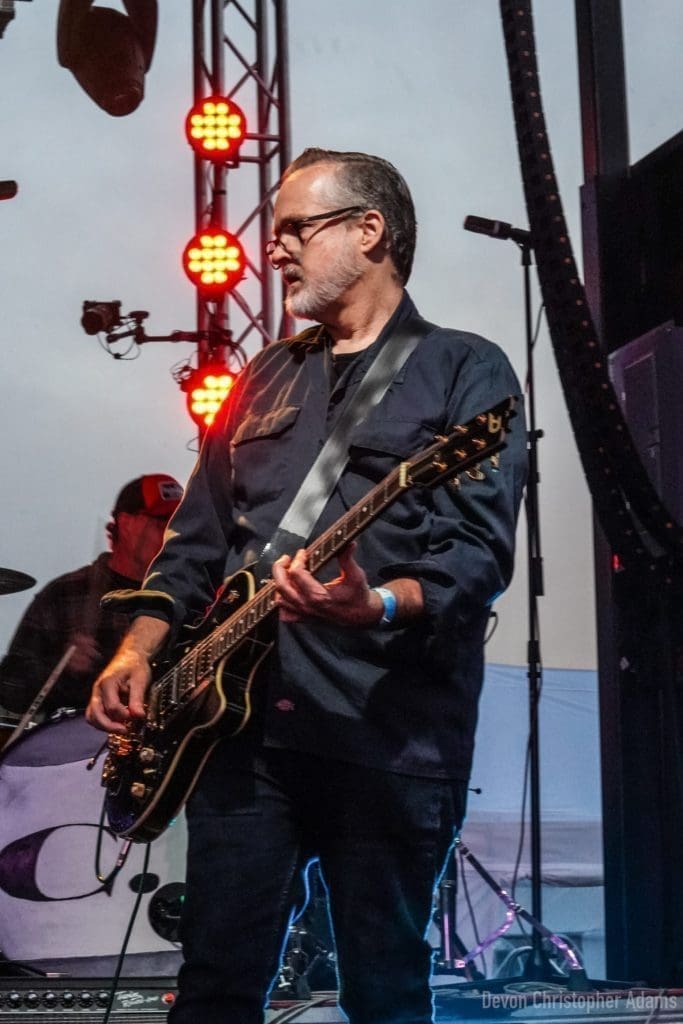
[67, 611]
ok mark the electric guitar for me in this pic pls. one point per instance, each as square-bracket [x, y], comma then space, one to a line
[202, 691]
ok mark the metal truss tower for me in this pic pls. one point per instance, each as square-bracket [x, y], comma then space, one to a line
[240, 51]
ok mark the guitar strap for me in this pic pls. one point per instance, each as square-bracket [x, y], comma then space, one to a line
[321, 479]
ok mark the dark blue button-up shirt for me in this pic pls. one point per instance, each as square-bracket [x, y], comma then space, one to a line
[405, 699]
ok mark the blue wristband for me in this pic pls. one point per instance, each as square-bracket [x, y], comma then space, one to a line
[390, 605]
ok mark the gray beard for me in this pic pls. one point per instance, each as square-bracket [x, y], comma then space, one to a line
[313, 299]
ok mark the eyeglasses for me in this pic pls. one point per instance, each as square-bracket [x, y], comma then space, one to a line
[291, 229]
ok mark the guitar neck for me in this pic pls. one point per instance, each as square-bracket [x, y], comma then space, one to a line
[333, 540]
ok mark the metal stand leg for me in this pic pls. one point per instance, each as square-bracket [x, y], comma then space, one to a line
[576, 978]
[453, 957]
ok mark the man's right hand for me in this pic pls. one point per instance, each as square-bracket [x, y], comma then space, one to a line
[118, 694]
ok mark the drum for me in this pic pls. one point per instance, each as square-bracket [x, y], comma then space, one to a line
[51, 902]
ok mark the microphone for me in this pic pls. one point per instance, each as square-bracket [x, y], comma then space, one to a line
[498, 229]
[8, 189]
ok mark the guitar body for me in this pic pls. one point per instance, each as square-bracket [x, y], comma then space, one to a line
[151, 771]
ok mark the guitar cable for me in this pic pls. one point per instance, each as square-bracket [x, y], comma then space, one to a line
[96, 756]
[129, 931]
[107, 883]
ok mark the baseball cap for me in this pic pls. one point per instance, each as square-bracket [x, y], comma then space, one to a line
[155, 494]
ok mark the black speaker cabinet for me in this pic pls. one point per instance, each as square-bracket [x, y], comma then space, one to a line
[648, 377]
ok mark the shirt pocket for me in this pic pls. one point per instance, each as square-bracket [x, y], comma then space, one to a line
[376, 447]
[386, 441]
[263, 455]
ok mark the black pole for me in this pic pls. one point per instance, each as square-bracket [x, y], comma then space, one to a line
[535, 590]
[451, 948]
[287, 323]
[264, 102]
[200, 187]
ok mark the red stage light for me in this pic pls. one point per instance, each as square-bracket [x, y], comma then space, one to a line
[206, 389]
[214, 261]
[215, 128]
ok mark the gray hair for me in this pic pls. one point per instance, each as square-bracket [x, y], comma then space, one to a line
[375, 184]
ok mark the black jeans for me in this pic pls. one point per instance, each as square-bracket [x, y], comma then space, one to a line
[255, 820]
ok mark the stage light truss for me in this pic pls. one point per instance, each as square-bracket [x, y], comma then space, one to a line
[240, 70]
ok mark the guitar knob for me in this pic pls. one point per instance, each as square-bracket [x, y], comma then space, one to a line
[147, 755]
[138, 790]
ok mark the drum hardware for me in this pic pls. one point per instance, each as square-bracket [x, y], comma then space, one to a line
[307, 965]
[309, 961]
[39, 698]
[12, 582]
[453, 953]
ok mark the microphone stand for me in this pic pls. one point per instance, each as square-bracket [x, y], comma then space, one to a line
[537, 966]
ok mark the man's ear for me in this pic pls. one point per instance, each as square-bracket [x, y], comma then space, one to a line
[373, 233]
[112, 531]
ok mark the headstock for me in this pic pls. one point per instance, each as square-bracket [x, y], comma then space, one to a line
[464, 446]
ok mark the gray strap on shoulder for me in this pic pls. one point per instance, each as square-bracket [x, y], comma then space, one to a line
[321, 479]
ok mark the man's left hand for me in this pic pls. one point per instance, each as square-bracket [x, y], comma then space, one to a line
[346, 600]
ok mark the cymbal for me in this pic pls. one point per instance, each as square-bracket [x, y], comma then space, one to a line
[11, 581]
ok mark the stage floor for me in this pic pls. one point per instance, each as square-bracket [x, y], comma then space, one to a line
[539, 1006]
[46, 1000]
